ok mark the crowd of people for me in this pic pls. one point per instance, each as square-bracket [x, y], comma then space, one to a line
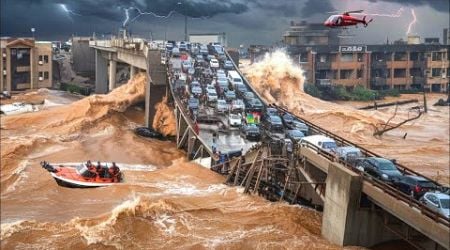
[102, 171]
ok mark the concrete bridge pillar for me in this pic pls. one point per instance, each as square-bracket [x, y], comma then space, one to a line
[344, 222]
[101, 77]
[133, 71]
[112, 74]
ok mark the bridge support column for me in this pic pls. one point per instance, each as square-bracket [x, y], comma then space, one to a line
[112, 74]
[133, 71]
[344, 222]
[101, 76]
[343, 189]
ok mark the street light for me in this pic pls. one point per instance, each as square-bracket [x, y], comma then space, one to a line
[32, 31]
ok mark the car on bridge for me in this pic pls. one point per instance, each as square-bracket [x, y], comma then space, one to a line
[288, 119]
[254, 105]
[295, 135]
[193, 103]
[321, 142]
[296, 124]
[214, 63]
[234, 120]
[438, 202]
[348, 154]
[241, 89]
[211, 96]
[251, 132]
[222, 106]
[415, 186]
[230, 95]
[237, 105]
[380, 168]
[273, 126]
[228, 65]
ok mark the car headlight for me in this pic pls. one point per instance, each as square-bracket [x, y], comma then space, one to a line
[385, 176]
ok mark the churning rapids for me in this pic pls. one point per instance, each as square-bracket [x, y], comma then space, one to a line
[165, 203]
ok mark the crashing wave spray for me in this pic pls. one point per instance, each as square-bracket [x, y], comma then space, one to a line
[412, 22]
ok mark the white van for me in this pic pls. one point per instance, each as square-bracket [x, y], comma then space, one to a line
[234, 78]
[321, 141]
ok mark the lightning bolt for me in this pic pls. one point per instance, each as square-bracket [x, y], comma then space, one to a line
[68, 11]
[412, 22]
[141, 13]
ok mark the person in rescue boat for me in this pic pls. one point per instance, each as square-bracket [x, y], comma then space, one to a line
[100, 170]
[114, 172]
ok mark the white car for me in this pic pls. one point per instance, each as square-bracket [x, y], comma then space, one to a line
[214, 63]
[439, 202]
[211, 96]
[210, 88]
[237, 105]
[234, 120]
[221, 106]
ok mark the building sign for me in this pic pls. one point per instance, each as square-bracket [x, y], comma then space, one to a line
[350, 49]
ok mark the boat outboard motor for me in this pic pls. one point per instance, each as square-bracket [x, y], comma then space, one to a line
[48, 167]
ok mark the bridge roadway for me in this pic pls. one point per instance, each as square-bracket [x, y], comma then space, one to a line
[423, 220]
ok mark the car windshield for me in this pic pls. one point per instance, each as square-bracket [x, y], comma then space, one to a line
[230, 93]
[426, 184]
[275, 119]
[233, 116]
[386, 165]
[237, 79]
[329, 145]
[253, 128]
[445, 203]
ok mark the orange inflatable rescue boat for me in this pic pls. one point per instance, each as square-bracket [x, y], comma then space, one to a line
[84, 175]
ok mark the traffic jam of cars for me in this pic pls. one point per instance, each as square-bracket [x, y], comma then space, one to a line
[207, 82]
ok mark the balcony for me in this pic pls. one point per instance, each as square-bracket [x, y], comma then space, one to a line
[323, 65]
[378, 81]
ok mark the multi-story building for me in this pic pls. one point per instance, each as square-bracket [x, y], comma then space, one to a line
[25, 64]
[400, 66]
[304, 33]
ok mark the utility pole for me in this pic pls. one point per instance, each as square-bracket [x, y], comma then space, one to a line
[185, 28]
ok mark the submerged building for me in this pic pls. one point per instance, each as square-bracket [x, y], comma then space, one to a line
[26, 64]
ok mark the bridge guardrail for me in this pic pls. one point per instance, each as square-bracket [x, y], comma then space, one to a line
[382, 185]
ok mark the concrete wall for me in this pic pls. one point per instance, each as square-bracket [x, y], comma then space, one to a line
[83, 56]
[101, 73]
[343, 222]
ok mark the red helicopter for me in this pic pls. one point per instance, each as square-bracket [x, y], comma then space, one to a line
[345, 19]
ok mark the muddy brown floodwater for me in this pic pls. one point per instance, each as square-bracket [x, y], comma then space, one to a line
[425, 148]
[164, 203]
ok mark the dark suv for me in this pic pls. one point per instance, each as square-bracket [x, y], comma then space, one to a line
[380, 168]
[415, 186]
[273, 127]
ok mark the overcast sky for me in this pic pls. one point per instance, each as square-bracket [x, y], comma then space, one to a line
[244, 21]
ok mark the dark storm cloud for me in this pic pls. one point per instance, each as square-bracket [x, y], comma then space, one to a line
[439, 5]
[314, 7]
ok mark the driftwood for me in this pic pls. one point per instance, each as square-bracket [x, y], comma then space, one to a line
[385, 127]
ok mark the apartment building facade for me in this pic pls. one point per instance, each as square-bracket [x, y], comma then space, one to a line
[396, 66]
[25, 64]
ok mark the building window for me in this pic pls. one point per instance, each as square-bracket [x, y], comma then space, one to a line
[359, 73]
[399, 73]
[346, 57]
[41, 74]
[41, 58]
[436, 72]
[46, 75]
[323, 58]
[346, 74]
[45, 59]
[436, 56]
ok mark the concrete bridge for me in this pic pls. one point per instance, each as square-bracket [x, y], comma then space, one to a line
[357, 210]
